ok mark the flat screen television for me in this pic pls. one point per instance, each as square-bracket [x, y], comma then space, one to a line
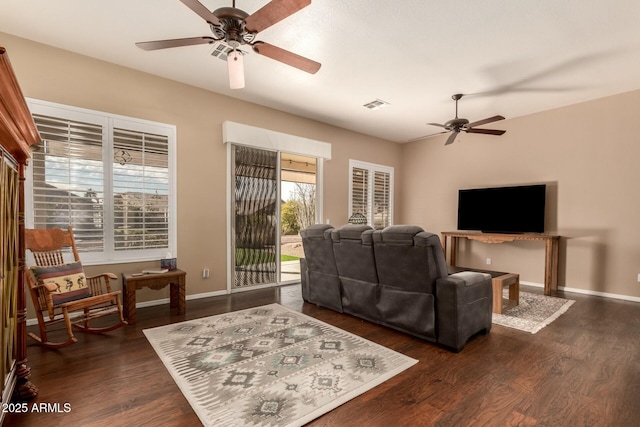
[515, 209]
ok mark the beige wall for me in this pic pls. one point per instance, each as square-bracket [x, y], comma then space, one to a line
[60, 76]
[587, 154]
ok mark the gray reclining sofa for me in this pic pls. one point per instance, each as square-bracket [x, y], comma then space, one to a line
[396, 277]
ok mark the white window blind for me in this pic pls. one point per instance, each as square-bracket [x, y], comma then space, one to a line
[68, 179]
[381, 199]
[140, 190]
[360, 191]
[371, 193]
[111, 178]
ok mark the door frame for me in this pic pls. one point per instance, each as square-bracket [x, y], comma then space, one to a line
[240, 134]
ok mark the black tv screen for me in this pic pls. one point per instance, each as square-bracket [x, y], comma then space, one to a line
[516, 209]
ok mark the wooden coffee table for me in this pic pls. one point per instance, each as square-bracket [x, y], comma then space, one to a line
[131, 282]
[511, 280]
[499, 280]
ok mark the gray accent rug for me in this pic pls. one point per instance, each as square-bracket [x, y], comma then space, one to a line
[533, 313]
[269, 366]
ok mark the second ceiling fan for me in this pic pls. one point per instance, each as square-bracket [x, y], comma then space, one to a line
[235, 28]
[457, 125]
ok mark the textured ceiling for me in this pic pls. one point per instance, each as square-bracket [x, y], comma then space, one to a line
[512, 57]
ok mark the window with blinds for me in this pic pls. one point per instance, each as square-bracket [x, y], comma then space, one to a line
[371, 193]
[381, 199]
[108, 177]
[140, 190]
[359, 191]
[68, 179]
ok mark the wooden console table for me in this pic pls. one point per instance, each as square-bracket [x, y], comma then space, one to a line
[132, 282]
[551, 250]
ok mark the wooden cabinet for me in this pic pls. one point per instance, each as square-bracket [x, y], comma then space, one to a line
[17, 134]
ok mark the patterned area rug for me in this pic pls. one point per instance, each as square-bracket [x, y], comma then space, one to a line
[269, 366]
[533, 312]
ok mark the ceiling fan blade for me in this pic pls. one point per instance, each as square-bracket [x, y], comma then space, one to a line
[202, 11]
[286, 57]
[420, 138]
[437, 124]
[485, 121]
[164, 44]
[486, 131]
[271, 13]
[452, 138]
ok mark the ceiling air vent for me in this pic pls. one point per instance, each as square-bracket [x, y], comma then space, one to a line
[220, 51]
[376, 105]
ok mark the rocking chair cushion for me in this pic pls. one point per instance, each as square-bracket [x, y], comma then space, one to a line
[69, 279]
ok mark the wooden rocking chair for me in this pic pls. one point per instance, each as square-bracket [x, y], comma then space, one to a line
[59, 289]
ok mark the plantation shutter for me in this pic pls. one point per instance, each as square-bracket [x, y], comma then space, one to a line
[68, 185]
[360, 191]
[112, 178]
[371, 193]
[140, 190]
[381, 199]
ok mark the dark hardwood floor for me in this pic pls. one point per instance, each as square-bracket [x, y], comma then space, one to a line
[582, 370]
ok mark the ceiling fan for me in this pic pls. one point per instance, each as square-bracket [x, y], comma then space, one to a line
[236, 27]
[457, 125]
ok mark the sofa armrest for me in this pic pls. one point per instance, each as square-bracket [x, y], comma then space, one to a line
[463, 307]
[470, 277]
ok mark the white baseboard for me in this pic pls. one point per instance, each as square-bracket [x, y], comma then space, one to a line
[188, 298]
[586, 292]
[31, 322]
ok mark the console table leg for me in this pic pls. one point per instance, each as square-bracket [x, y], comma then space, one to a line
[551, 266]
[173, 295]
[130, 306]
[181, 295]
[454, 248]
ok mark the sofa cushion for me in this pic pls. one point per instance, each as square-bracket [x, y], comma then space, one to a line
[398, 234]
[318, 250]
[353, 250]
[408, 258]
[317, 231]
[351, 232]
[323, 287]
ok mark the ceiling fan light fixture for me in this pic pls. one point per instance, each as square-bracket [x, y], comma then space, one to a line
[237, 28]
[235, 63]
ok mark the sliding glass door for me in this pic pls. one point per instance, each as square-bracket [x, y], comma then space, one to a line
[272, 178]
[298, 210]
[256, 217]
[274, 197]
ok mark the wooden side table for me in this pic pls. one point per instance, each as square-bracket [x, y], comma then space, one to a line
[132, 282]
[513, 282]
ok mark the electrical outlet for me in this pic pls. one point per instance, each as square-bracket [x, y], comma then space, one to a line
[205, 273]
[488, 261]
[638, 277]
